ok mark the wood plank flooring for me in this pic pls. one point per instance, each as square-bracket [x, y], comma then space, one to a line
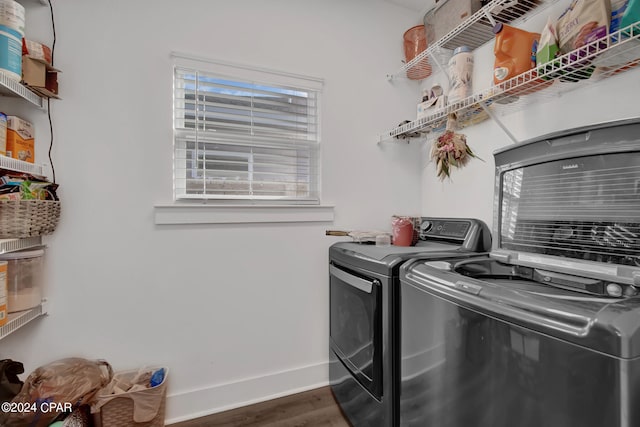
[314, 408]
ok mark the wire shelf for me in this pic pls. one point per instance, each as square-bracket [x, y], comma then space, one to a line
[473, 32]
[34, 2]
[10, 87]
[591, 63]
[9, 163]
[21, 318]
[12, 245]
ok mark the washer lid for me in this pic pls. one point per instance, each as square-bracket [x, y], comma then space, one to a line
[573, 196]
[605, 324]
[386, 259]
[379, 253]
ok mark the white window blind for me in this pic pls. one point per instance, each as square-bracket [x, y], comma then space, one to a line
[242, 133]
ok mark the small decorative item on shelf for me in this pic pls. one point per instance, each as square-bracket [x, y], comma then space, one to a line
[431, 100]
[450, 150]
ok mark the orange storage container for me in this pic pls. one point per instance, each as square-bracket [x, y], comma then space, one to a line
[415, 42]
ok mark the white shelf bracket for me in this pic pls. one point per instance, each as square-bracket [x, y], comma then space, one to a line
[486, 108]
[490, 17]
[440, 67]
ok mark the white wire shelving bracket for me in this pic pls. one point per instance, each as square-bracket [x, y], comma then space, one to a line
[590, 64]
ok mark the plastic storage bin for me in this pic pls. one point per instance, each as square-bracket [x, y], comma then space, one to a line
[415, 42]
[140, 408]
[24, 279]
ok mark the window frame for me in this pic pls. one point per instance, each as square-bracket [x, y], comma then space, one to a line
[247, 73]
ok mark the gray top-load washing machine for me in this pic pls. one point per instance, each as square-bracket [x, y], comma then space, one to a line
[545, 331]
[364, 285]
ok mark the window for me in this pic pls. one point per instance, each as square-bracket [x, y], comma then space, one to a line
[242, 133]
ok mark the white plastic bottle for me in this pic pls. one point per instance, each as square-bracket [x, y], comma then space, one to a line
[460, 74]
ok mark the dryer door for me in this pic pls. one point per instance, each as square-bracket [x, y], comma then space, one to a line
[356, 326]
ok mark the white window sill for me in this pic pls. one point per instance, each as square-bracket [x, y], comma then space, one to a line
[173, 214]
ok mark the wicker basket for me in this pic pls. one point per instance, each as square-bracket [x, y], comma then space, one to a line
[27, 218]
[117, 410]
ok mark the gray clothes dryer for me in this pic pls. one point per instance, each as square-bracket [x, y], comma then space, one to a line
[364, 286]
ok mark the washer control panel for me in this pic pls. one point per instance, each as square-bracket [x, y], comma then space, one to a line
[444, 228]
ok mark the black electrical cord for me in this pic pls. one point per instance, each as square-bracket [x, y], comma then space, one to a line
[53, 48]
[53, 169]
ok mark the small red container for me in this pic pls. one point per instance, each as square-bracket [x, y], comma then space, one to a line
[402, 229]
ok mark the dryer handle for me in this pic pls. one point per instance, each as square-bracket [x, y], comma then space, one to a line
[350, 279]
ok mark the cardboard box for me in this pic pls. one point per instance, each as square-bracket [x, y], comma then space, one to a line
[20, 139]
[40, 76]
[36, 50]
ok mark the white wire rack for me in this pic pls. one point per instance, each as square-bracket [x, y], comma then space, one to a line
[10, 87]
[16, 165]
[12, 245]
[590, 64]
[36, 2]
[18, 320]
[473, 32]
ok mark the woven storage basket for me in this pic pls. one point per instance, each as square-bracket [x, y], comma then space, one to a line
[118, 409]
[27, 218]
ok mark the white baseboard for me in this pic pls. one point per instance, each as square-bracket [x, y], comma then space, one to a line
[192, 404]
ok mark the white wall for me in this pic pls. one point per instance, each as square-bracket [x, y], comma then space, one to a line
[470, 190]
[238, 313]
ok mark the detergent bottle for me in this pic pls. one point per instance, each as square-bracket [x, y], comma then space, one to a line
[515, 52]
[625, 13]
[631, 16]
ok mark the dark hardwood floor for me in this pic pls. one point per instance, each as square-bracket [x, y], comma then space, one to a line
[308, 409]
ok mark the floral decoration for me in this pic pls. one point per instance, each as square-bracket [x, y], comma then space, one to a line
[450, 150]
